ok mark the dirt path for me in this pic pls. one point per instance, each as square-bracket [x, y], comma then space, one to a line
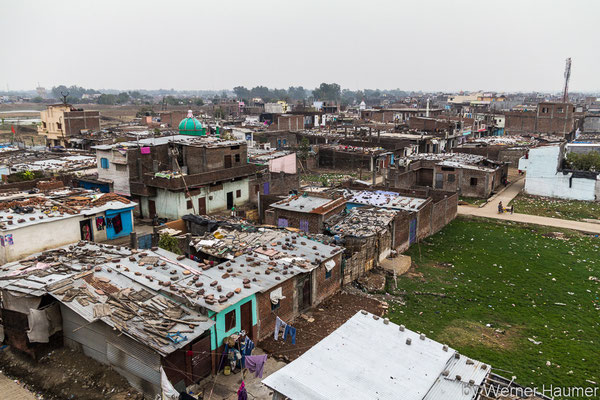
[490, 210]
[13, 391]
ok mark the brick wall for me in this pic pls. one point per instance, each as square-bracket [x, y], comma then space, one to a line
[76, 121]
[520, 122]
[424, 221]
[326, 287]
[315, 221]
[288, 307]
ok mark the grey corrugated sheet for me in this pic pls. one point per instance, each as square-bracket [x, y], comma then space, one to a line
[91, 337]
[449, 387]
[365, 359]
[121, 358]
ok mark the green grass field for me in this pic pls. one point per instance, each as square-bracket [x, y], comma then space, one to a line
[555, 208]
[505, 284]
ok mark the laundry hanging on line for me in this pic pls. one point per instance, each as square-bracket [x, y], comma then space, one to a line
[256, 364]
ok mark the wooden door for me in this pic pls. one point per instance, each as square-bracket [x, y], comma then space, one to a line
[202, 206]
[201, 363]
[246, 318]
[229, 200]
[151, 208]
[228, 161]
[304, 300]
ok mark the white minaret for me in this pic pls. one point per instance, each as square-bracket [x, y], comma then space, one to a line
[427, 109]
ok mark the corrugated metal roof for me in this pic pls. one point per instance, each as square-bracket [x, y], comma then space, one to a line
[301, 203]
[383, 199]
[366, 358]
[463, 379]
[109, 275]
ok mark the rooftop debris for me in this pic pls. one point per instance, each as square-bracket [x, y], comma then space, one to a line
[361, 222]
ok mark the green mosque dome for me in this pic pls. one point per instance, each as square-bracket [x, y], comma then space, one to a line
[190, 125]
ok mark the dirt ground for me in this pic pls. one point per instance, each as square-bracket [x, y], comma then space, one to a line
[66, 374]
[320, 322]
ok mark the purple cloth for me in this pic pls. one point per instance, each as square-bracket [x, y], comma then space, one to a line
[256, 364]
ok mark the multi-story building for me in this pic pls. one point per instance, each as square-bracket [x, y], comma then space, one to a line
[60, 122]
[171, 176]
[549, 118]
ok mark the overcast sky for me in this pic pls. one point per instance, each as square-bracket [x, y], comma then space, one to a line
[448, 45]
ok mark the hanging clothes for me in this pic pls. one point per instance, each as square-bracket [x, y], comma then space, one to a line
[242, 394]
[279, 324]
[246, 347]
[290, 330]
[256, 364]
[117, 224]
[100, 223]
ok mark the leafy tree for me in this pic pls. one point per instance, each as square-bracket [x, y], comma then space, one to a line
[584, 162]
[108, 99]
[123, 98]
[297, 93]
[199, 102]
[169, 243]
[241, 93]
[37, 99]
[327, 91]
[304, 149]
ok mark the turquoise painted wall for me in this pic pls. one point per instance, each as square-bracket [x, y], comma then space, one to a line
[218, 332]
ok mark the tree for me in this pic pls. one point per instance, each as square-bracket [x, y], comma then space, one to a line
[199, 101]
[584, 162]
[169, 243]
[108, 99]
[123, 98]
[37, 99]
[241, 93]
[297, 93]
[327, 91]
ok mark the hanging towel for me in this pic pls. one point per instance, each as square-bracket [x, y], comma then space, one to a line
[279, 324]
[290, 330]
[256, 364]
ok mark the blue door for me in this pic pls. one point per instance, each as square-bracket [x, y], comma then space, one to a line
[413, 231]
[304, 225]
[266, 188]
[119, 223]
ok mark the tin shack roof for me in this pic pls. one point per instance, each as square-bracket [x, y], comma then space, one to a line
[23, 209]
[357, 361]
[88, 279]
[361, 222]
[202, 141]
[308, 204]
[384, 199]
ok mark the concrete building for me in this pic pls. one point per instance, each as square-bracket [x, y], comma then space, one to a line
[397, 115]
[549, 118]
[61, 122]
[171, 176]
[546, 175]
[466, 174]
[32, 223]
[426, 369]
[306, 212]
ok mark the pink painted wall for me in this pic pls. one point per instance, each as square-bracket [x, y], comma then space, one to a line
[285, 164]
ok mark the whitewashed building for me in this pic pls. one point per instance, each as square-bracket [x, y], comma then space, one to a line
[546, 177]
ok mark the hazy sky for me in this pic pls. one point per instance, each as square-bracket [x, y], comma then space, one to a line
[414, 45]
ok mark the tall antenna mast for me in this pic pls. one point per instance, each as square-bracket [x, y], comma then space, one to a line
[567, 76]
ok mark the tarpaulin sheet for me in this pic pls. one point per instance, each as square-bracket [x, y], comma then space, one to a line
[19, 302]
[44, 323]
